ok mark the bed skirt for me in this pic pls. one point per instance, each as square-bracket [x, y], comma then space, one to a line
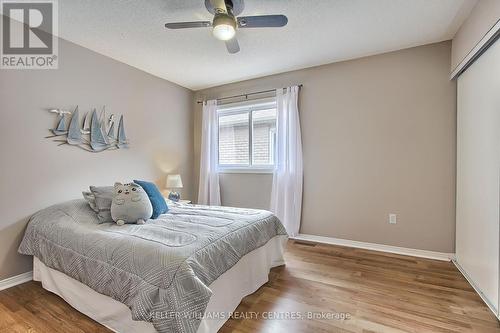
[244, 278]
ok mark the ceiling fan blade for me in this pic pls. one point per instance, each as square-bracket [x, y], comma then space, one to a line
[219, 6]
[262, 21]
[185, 25]
[232, 45]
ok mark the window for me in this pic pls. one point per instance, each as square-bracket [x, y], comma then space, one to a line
[247, 136]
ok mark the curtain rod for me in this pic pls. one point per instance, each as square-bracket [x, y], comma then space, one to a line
[249, 94]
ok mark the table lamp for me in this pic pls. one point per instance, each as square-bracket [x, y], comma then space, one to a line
[174, 182]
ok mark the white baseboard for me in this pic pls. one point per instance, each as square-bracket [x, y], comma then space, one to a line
[377, 247]
[476, 288]
[15, 280]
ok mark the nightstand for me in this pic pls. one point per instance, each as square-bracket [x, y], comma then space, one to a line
[181, 202]
[184, 202]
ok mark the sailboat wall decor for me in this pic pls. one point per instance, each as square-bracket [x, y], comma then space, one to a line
[96, 134]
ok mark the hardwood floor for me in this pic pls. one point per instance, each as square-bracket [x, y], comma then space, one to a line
[376, 292]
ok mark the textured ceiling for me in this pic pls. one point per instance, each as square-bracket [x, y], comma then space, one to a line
[318, 32]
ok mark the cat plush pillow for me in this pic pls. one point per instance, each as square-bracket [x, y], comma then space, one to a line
[130, 204]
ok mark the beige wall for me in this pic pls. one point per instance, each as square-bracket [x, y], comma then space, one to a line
[485, 15]
[378, 137]
[36, 173]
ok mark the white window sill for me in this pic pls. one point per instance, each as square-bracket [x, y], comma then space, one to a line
[246, 170]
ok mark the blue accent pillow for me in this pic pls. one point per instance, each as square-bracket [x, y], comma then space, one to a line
[156, 198]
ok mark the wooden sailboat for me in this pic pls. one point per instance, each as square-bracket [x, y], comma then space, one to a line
[111, 132]
[61, 127]
[74, 134]
[103, 120]
[111, 126]
[122, 138]
[98, 139]
[86, 124]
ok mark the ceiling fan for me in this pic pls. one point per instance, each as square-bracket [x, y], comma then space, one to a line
[226, 22]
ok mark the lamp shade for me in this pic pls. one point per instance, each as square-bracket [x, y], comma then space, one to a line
[174, 181]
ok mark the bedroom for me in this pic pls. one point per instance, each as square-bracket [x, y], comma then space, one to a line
[334, 176]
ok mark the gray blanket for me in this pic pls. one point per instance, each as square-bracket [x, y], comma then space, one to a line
[161, 270]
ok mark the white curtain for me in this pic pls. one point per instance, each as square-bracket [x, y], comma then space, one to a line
[286, 195]
[209, 190]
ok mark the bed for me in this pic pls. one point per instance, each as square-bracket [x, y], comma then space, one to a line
[183, 272]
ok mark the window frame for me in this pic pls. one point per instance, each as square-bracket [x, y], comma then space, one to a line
[246, 107]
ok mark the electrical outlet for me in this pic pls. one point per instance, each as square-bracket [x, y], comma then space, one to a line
[393, 218]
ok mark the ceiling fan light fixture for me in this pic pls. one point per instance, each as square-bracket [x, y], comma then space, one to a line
[224, 27]
[224, 32]
[227, 20]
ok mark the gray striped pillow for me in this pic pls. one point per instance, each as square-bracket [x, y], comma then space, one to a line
[89, 196]
[103, 197]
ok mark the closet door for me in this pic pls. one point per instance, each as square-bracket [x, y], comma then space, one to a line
[478, 173]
